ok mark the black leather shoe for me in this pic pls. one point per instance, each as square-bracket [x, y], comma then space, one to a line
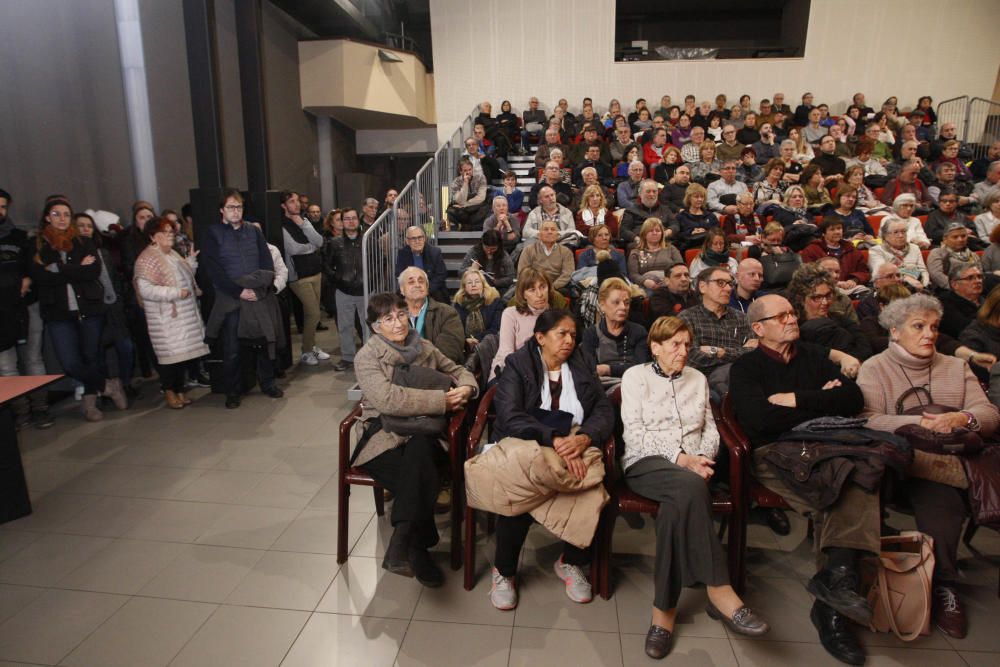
[837, 587]
[835, 634]
[273, 392]
[659, 641]
[232, 402]
[424, 568]
[777, 521]
[744, 621]
[947, 612]
[397, 558]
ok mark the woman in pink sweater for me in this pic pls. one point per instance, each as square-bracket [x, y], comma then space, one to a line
[911, 361]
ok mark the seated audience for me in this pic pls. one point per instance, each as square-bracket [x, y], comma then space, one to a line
[868, 203]
[946, 181]
[707, 168]
[991, 183]
[902, 209]
[767, 148]
[939, 509]
[949, 155]
[772, 185]
[620, 145]
[793, 168]
[803, 149]
[544, 380]
[491, 258]
[427, 257]
[729, 148]
[946, 216]
[983, 334]
[407, 465]
[720, 334]
[553, 140]
[843, 305]
[614, 344]
[581, 153]
[812, 291]
[744, 226]
[991, 257]
[802, 111]
[694, 220]
[748, 172]
[433, 320]
[954, 251]
[670, 446]
[781, 384]
[591, 162]
[479, 307]
[647, 206]
[672, 161]
[467, 209]
[961, 303]
[549, 256]
[813, 185]
[513, 195]
[906, 182]
[648, 261]
[896, 251]
[748, 135]
[600, 240]
[833, 167]
[628, 189]
[853, 269]
[533, 294]
[813, 131]
[673, 294]
[653, 151]
[505, 224]
[593, 210]
[691, 150]
[856, 225]
[550, 210]
[714, 252]
[986, 222]
[552, 177]
[681, 134]
[675, 189]
[779, 261]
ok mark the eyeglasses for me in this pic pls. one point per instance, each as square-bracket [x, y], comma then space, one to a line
[816, 298]
[721, 283]
[974, 277]
[416, 238]
[399, 317]
[782, 318]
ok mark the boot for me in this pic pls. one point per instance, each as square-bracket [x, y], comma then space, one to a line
[90, 410]
[184, 399]
[397, 553]
[113, 390]
[173, 400]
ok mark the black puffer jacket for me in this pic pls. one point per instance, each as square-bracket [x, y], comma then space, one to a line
[519, 394]
[51, 285]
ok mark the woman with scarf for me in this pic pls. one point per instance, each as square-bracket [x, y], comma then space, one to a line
[66, 273]
[116, 332]
[791, 213]
[868, 203]
[167, 292]
[405, 464]
[479, 307]
[593, 210]
[902, 209]
[549, 394]
[714, 252]
[670, 446]
[695, 219]
[896, 250]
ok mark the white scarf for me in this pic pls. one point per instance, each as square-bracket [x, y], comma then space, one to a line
[568, 401]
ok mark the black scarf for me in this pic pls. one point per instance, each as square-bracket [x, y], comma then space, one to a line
[410, 349]
[294, 230]
[714, 258]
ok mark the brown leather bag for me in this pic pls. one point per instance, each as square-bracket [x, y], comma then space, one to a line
[959, 442]
[900, 592]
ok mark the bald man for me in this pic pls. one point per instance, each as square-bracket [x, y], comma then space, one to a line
[749, 278]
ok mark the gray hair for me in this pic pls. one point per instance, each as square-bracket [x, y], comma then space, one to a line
[587, 169]
[410, 269]
[995, 165]
[499, 197]
[992, 196]
[371, 200]
[905, 198]
[895, 313]
[958, 268]
[636, 162]
[887, 223]
[787, 142]
[648, 181]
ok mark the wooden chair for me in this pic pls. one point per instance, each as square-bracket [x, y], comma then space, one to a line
[746, 490]
[348, 475]
[485, 414]
[623, 499]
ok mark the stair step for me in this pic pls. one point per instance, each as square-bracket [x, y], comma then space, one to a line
[520, 159]
[457, 236]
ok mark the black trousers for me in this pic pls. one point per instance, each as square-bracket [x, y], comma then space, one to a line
[940, 511]
[468, 217]
[172, 376]
[687, 549]
[411, 472]
[511, 533]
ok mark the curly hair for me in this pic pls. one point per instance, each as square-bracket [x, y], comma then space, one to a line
[806, 279]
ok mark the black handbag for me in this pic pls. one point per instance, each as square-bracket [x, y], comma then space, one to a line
[778, 269]
[417, 377]
[959, 442]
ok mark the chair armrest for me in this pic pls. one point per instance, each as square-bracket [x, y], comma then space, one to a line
[479, 423]
[456, 425]
[345, 436]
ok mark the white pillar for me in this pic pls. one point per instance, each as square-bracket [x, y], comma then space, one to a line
[324, 134]
[140, 128]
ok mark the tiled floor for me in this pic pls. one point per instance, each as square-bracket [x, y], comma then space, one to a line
[207, 537]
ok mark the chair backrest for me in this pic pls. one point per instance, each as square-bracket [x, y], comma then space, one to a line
[733, 426]
[484, 416]
[611, 445]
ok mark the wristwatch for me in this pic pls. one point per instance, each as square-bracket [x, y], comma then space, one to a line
[972, 424]
[714, 351]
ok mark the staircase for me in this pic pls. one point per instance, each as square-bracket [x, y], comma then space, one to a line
[454, 245]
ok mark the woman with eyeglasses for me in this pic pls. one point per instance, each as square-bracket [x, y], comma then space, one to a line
[896, 250]
[811, 292]
[66, 274]
[405, 461]
[714, 252]
[168, 294]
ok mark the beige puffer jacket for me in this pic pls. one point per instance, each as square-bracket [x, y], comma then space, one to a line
[517, 476]
[175, 326]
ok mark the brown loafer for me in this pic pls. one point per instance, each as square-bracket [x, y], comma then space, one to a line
[744, 621]
[659, 641]
[947, 612]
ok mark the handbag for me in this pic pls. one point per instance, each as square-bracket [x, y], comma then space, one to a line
[900, 592]
[417, 377]
[959, 442]
[779, 268]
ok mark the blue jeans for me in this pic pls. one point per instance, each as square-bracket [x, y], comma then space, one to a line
[231, 350]
[77, 344]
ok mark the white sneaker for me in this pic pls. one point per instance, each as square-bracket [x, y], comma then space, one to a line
[503, 595]
[320, 354]
[577, 587]
[309, 359]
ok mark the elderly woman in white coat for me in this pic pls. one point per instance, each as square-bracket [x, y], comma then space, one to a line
[670, 446]
[167, 292]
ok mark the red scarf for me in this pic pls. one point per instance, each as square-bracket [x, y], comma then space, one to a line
[59, 240]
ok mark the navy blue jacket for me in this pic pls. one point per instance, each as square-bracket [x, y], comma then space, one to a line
[228, 253]
[437, 272]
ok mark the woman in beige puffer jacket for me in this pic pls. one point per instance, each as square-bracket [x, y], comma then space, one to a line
[167, 292]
